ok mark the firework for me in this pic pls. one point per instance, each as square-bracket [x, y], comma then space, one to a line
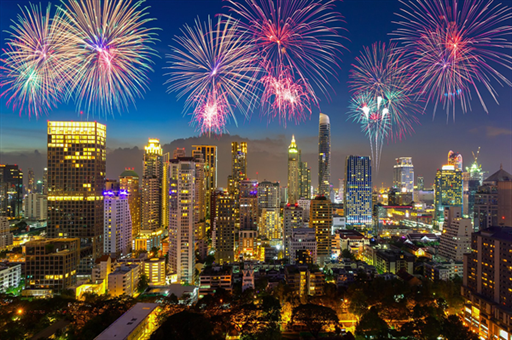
[297, 42]
[454, 48]
[213, 68]
[113, 52]
[380, 72]
[34, 68]
[374, 117]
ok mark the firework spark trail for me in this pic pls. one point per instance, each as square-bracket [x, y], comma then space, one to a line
[37, 67]
[214, 69]
[380, 72]
[113, 52]
[298, 42]
[453, 51]
[374, 117]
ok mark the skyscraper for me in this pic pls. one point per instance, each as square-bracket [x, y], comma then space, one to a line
[305, 181]
[486, 287]
[293, 217]
[45, 181]
[324, 156]
[152, 175]
[455, 159]
[179, 152]
[11, 190]
[76, 177]
[447, 191]
[269, 195]
[210, 173]
[31, 181]
[474, 181]
[320, 219]
[238, 167]
[181, 218]
[129, 181]
[199, 199]
[294, 170]
[164, 208]
[358, 190]
[403, 174]
[421, 183]
[249, 204]
[117, 223]
[225, 228]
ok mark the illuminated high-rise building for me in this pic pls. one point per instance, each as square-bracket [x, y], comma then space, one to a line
[76, 177]
[293, 217]
[249, 204]
[225, 227]
[486, 285]
[403, 174]
[358, 191]
[164, 208]
[472, 181]
[324, 156]
[238, 167]
[117, 223]
[305, 181]
[179, 152]
[421, 183]
[181, 218]
[447, 191]
[294, 170]
[31, 181]
[45, 181]
[210, 173]
[455, 159]
[199, 199]
[269, 195]
[11, 191]
[320, 219]
[129, 181]
[152, 177]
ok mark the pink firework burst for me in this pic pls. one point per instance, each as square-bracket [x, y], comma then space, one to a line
[455, 49]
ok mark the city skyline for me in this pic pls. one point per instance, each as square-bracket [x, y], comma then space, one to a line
[159, 115]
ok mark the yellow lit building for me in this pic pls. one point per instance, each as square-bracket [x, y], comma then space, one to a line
[293, 172]
[447, 191]
[76, 177]
[51, 263]
[320, 219]
[152, 177]
[154, 269]
[210, 173]
[129, 181]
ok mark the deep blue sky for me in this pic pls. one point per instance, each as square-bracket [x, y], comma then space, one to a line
[160, 115]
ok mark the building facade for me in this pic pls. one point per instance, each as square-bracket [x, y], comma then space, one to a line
[117, 224]
[181, 218]
[455, 240]
[210, 173]
[294, 170]
[486, 286]
[129, 181]
[293, 217]
[269, 195]
[76, 177]
[447, 191]
[11, 191]
[324, 156]
[358, 191]
[152, 177]
[6, 237]
[225, 228]
[320, 219]
[403, 174]
[51, 263]
[36, 207]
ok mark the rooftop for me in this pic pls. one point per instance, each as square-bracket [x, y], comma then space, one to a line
[128, 172]
[500, 233]
[499, 176]
[128, 322]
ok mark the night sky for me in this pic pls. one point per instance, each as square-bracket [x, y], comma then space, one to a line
[160, 115]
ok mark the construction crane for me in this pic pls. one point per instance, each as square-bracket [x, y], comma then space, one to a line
[477, 153]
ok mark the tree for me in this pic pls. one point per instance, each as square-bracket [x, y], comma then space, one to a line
[454, 329]
[314, 317]
[143, 284]
[371, 324]
[209, 260]
[347, 254]
[185, 326]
